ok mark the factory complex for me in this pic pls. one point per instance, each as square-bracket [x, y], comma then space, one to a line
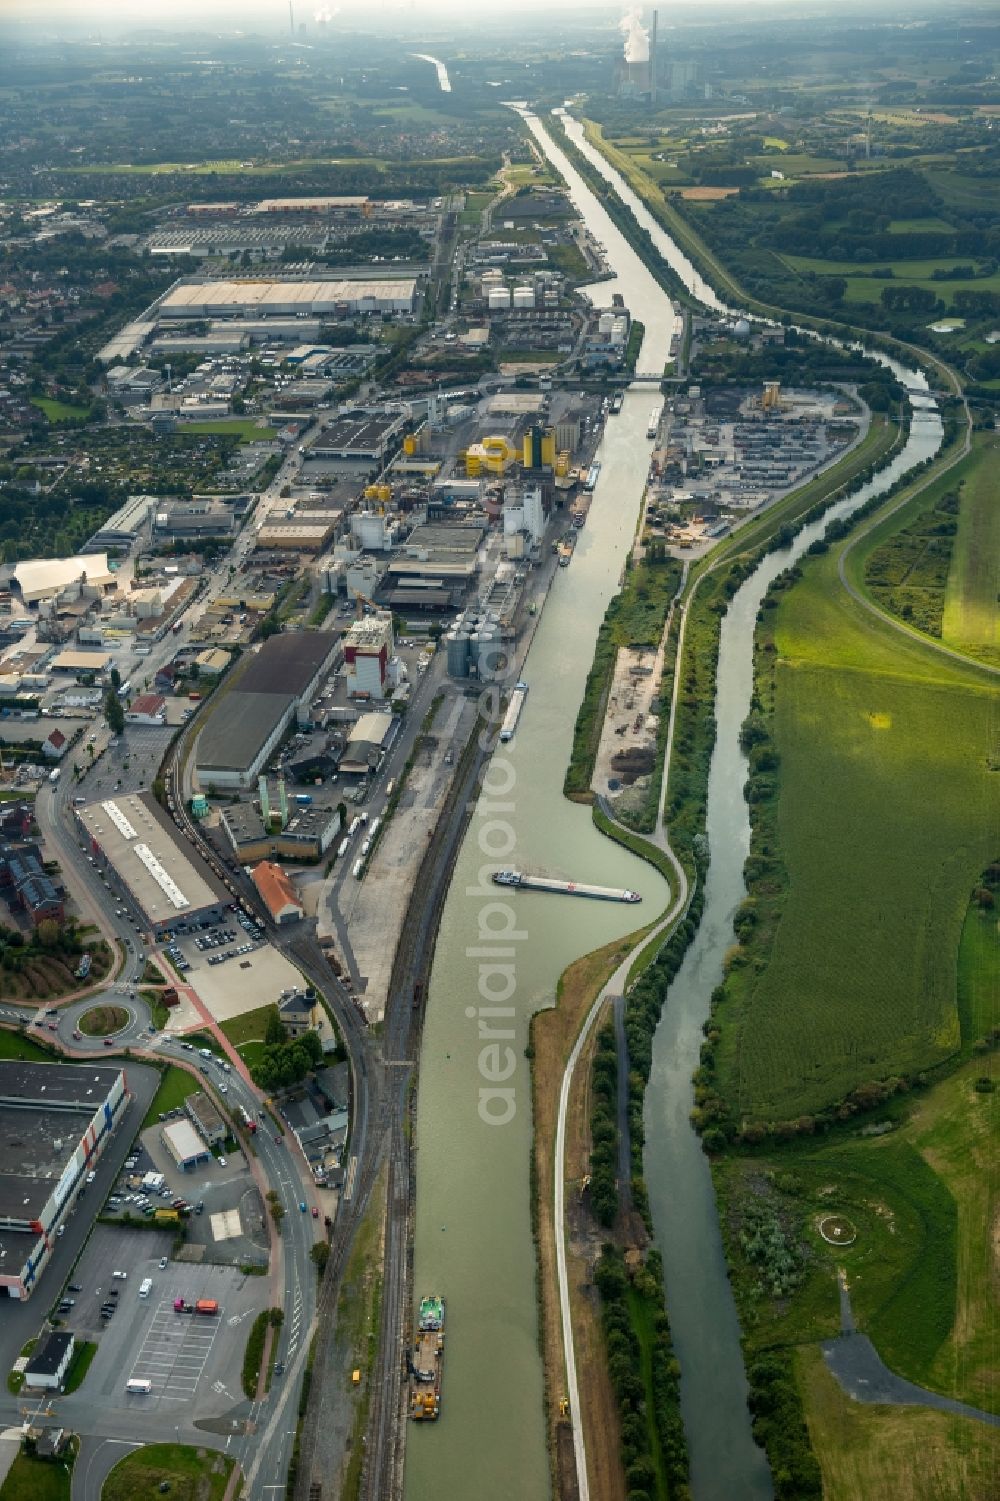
[55, 1121]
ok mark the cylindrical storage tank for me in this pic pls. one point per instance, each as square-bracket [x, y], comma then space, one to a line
[524, 297]
[457, 643]
[605, 323]
[409, 444]
[499, 298]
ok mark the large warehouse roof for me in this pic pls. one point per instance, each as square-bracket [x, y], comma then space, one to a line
[167, 877]
[56, 1086]
[246, 299]
[288, 662]
[39, 578]
[237, 729]
[44, 1110]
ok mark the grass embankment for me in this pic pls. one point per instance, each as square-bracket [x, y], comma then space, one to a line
[173, 1090]
[103, 1021]
[874, 815]
[83, 1356]
[253, 1355]
[971, 620]
[188, 1474]
[31, 1479]
[633, 618]
[15, 1045]
[247, 1033]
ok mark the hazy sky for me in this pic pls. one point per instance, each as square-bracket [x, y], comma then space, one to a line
[262, 14]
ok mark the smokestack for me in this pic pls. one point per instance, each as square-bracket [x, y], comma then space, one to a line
[283, 801]
[291, 17]
[265, 803]
[652, 60]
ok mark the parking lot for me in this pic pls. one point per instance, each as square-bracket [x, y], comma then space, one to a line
[213, 942]
[189, 1359]
[129, 764]
[175, 1352]
[243, 983]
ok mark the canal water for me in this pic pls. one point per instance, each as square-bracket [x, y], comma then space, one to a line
[473, 1239]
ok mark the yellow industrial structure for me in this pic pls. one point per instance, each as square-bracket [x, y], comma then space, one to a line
[539, 448]
[492, 455]
[380, 495]
[771, 398]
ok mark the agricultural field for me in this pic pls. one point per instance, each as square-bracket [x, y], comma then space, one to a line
[886, 818]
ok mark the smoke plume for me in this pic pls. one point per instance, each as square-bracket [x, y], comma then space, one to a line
[636, 36]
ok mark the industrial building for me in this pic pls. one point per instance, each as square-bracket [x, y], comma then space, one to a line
[255, 297]
[277, 893]
[206, 1119]
[369, 739]
[140, 850]
[55, 1121]
[184, 1144]
[439, 553]
[368, 650]
[357, 435]
[49, 1363]
[46, 577]
[307, 834]
[246, 726]
[123, 528]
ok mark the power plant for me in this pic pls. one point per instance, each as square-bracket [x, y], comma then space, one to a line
[636, 76]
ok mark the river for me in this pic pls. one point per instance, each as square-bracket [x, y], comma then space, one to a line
[444, 82]
[473, 1239]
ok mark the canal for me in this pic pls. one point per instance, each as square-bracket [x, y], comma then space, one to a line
[473, 1240]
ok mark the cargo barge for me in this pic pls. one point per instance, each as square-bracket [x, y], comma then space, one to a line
[513, 712]
[593, 474]
[426, 1360]
[522, 882]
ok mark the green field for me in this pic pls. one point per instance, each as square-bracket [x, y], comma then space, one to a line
[13, 1045]
[886, 818]
[971, 615]
[244, 428]
[979, 974]
[174, 1089]
[59, 411]
[187, 1474]
[865, 288]
[908, 1453]
[31, 1479]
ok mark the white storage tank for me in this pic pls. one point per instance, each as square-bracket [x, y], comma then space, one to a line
[605, 324]
[524, 297]
[499, 298]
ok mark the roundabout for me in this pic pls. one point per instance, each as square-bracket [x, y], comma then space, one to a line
[103, 1021]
